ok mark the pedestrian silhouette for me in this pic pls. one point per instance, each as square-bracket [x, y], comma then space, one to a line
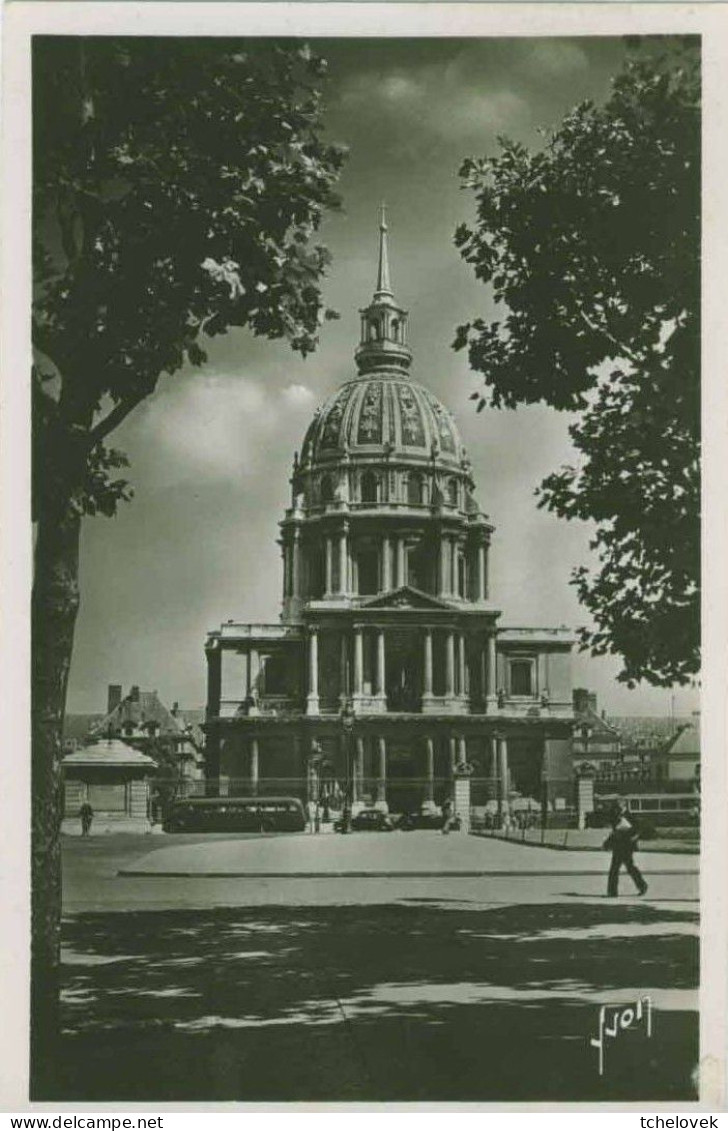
[623, 841]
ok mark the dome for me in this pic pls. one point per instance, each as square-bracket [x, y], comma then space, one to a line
[383, 414]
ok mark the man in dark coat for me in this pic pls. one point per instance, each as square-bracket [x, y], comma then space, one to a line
[86, 814]
[623, 841]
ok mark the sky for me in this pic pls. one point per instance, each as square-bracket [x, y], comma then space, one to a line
[211, 452]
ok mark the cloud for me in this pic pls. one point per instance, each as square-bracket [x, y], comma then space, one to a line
[217, 426]
[296, 394]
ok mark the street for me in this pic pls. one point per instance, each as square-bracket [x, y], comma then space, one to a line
[370, 987]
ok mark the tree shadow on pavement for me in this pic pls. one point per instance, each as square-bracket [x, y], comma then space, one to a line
[367, 1003]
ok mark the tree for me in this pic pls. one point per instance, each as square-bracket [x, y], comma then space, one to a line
[593, 246]
[178, 185]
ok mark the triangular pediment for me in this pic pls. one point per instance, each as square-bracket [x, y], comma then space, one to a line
[406, 597]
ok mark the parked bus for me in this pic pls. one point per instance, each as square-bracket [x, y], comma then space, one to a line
[236, 814]
[665, 809]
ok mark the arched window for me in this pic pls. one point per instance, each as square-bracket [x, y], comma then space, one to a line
[415, 489]
[327, 489]
[374, 332]
[369, 487]
[452, 492]
[395, 329]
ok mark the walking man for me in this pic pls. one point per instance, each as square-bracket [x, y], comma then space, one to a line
[623, 841]
[86, 814]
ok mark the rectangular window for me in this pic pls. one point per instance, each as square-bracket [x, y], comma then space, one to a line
[521, 677]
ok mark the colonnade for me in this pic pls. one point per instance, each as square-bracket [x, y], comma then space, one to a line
[457, 755]
[461, 681]
[339, 565]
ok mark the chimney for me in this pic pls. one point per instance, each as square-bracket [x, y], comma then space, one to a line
[134, 693]
[113, 698]
[581, 700]
[175, 709]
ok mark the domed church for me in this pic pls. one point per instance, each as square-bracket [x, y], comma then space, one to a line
[389, 673]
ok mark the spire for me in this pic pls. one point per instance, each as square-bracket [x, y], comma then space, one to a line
[384, 286]
[383, 344]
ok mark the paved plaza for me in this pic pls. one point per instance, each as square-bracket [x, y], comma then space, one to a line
[482, 983]
[417, 853]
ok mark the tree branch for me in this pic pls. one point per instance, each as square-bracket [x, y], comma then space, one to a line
[118, 413]
[624, 350]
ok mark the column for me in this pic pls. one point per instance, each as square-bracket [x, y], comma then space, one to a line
[461, 664]
[344, 668]
[444, 552]
[284, 555]
[453, 567]
[253, 672]
[312, 702]
[491, 675]
[427, 688]
[358, 779]
[400, 578]
[296, 579]
[493, 768]
[329, 587]
[450, 664]
[453, 753]
[482, 590]
[429, 800]
[214, 680]
[254, 766]
[503, 776]
[386, 565]
[358, 661]
[462, 750]
[212, 738]
[248, 674]
[381, 664]
[343, 562]
[382, 773]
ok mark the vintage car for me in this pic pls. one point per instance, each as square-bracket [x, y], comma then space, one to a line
[369, 821]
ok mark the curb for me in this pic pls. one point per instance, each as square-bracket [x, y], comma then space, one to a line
[381, 875]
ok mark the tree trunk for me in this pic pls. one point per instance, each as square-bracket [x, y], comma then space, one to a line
[53, 617]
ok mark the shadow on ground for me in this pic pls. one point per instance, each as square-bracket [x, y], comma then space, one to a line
[395, 1002]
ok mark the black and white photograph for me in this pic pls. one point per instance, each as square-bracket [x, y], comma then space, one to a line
[364, 685]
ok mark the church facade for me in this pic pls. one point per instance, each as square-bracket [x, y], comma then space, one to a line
[389, 672]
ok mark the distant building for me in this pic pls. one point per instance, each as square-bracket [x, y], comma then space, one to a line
[142, 720]
[597, 744]
[630, 752]
[679, 762]
[389, 668]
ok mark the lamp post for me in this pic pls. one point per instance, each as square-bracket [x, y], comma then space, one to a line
[347, 728]
[314, 763]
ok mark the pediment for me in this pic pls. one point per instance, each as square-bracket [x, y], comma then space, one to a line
[406, 597]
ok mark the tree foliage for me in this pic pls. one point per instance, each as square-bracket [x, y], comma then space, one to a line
[592, 249]
[177, 187]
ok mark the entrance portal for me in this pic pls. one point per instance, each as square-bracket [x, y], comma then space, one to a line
[405, 785]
